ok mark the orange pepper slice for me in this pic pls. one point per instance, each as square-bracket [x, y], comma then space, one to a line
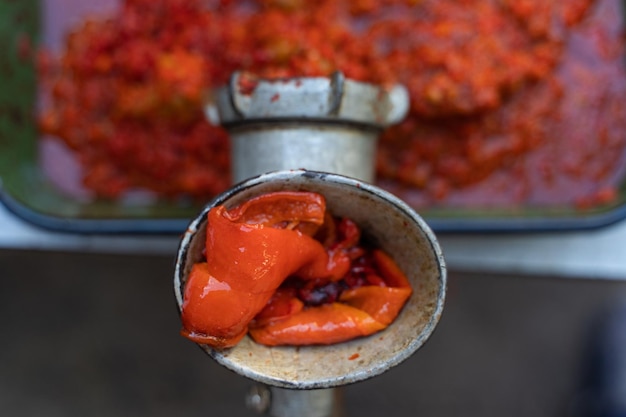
[246, 263]
[323, 325]
[382, 303]
[213, 310]
[285, 209]
[392, 274]
[283, 304]
[359, 311]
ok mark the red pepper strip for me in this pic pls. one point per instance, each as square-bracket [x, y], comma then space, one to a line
[202, 320]
[341, 252]
[323, 325]
[382, 303]
[343, 246]
[391, 273]
[245, 265]
[283, 304]
[350, 234]
[302, 210]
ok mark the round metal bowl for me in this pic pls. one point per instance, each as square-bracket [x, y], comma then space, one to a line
[384, 220]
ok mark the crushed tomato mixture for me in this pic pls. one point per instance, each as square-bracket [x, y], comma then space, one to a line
[282, 269]
[512, 101]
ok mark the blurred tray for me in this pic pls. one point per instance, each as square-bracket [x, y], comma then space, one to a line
[25, 189]
[28, 192]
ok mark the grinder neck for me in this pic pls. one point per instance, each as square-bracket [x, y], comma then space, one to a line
[328, 124]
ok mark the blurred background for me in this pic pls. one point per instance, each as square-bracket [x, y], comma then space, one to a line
[97, 335]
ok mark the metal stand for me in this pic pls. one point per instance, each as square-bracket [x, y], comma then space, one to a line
[280, 402]
[323, 124]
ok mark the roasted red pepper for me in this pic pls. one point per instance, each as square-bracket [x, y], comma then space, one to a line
[364, 306]
[326, 324]
[268, 272]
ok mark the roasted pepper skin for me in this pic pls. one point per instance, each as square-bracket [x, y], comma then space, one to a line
[360, 311]
[245, 265]
[251, 252]
[323, 325]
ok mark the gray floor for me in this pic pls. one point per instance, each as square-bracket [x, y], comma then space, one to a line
[97, 335]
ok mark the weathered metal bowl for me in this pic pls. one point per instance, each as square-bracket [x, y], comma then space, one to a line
[386, 221]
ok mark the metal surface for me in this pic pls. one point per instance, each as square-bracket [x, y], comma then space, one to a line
[280, 402]
[259, 398]
[386, 221]
[310, 403]
[344, 150]
[329, 99]
[319, 123]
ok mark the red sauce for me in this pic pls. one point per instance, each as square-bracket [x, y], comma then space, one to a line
[512, 102]
[559, 140]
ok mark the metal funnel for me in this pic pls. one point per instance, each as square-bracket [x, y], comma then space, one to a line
[386, 221]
